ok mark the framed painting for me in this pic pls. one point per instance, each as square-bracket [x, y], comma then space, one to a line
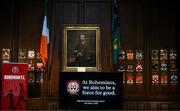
[81, 48]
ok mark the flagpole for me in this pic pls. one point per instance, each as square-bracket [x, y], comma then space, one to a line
[115, 33]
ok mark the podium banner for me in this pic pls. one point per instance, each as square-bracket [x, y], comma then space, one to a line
[91, 91]
[14, 86]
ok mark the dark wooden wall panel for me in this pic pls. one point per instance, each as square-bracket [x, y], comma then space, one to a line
[6, 23]
[105, 25]
[159, 30]
[70, 13]
[131, 25]
[92, 13]
[160, 25]
[57, 19]
[151, 105]
[30, 17]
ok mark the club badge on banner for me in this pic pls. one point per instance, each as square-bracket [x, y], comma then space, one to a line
[14, 86]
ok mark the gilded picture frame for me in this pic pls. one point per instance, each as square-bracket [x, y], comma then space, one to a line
[81, 48]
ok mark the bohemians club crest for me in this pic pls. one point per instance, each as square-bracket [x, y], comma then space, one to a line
[73, 87]
[15, 69]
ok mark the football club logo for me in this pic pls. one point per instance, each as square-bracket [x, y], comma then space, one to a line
[130, 54]
[155, 54]
[155, 66]
[173, 54]
[73, 87]
[130, 78]
[31, 54]
[139, 78]
[121, 68]
[164, 78]
[163, 54]
[5, 55]
[139, 55]
[174, 79]
[155, 79]
[31, 66]
[22, 54]
[15, 69]
[122, 54]
[39, 66]
[173, 66]
[31, 77]
[139, 67]
[38, 55]
[163, 66]
[130, 68]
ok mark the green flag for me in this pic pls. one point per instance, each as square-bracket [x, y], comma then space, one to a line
[116, 30]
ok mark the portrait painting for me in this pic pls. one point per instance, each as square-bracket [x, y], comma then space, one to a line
[81, 48]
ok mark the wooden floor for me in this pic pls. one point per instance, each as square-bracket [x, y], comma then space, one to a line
[127, 105]
[140, 105]
[151, 105]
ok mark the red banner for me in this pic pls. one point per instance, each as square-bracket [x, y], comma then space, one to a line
[14, 86]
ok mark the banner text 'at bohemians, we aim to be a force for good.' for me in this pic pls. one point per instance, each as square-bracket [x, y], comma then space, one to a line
[94, 87]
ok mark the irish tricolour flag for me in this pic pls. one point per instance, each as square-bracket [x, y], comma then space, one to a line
[44, 39]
